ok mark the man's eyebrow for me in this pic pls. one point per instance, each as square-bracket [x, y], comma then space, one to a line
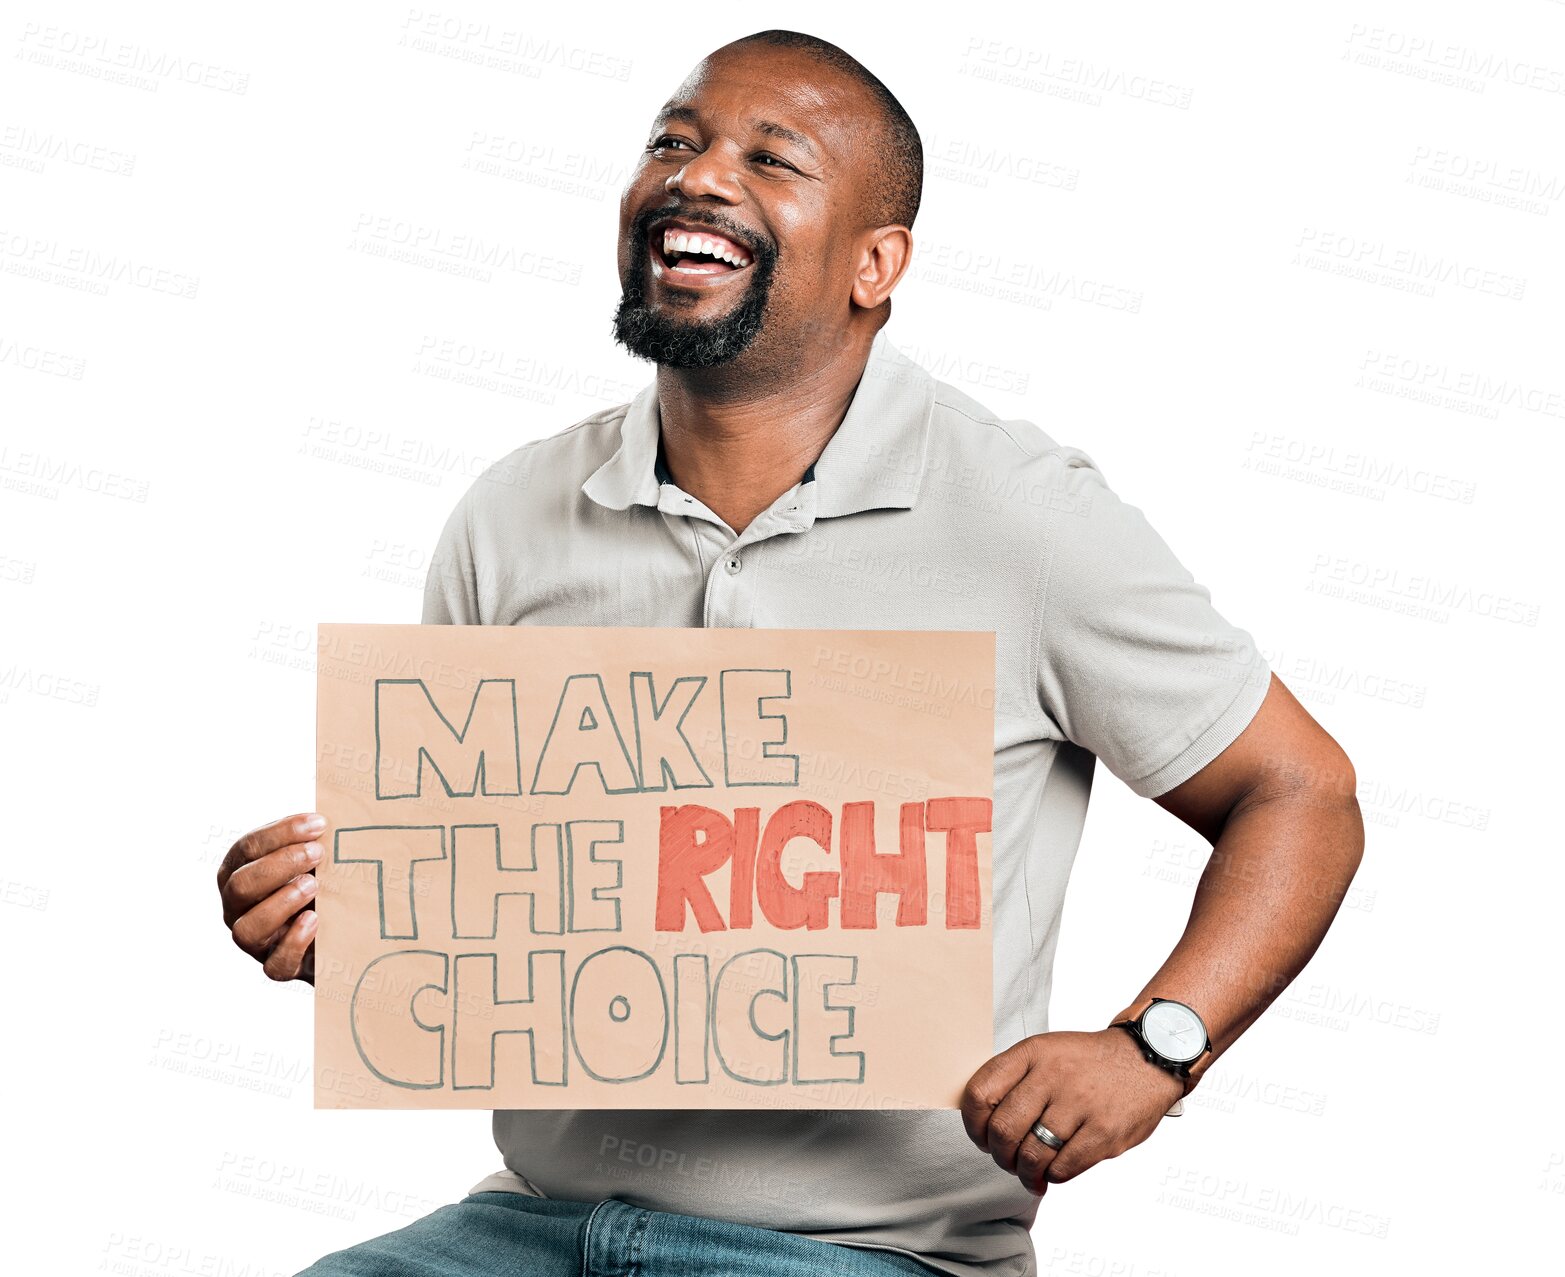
[787, 134]
[689, 115]
[686, 113]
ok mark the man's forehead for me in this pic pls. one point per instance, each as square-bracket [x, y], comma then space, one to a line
[794, 94]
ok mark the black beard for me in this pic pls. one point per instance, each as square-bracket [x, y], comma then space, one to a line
[674, 343]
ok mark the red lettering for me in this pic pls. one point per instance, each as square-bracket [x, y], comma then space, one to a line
[695, 841]
[692, 842]
[866, 872]
[784, 904]
[741, 872]
[961, 820]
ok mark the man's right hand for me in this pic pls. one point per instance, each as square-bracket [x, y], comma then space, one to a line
[266, 881]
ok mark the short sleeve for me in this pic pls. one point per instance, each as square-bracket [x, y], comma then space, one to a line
[451, 585]
[1134, 663]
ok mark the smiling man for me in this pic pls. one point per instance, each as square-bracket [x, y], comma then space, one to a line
[788, 467]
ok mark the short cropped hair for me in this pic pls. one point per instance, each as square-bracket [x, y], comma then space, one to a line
[895, 185]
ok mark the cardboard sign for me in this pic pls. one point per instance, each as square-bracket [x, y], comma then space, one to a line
[653, 868]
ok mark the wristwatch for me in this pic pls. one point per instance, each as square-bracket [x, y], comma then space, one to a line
[1170, 1034]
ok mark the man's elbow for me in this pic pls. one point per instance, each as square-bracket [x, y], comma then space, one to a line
[1322, 789]
[1332, 795]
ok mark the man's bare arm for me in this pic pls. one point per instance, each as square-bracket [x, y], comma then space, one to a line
[1280, 807]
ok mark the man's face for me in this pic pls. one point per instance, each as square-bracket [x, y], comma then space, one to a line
[752, 157]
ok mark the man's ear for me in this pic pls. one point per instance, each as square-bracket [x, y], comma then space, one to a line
[882, 262]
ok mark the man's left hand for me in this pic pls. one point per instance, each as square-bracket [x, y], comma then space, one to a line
[1095, 1091]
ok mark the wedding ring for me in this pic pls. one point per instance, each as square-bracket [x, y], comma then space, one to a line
[1047, 1136]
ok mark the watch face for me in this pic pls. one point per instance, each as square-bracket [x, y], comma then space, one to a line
[1174, 1031]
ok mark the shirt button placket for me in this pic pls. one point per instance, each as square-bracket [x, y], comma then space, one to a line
[725, 607]
[729, 602]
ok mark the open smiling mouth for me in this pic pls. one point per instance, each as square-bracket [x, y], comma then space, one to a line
[695, 258]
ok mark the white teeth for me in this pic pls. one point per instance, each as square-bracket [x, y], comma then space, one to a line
[675, 241]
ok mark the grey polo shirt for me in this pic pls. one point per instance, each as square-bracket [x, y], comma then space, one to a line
[925, 511]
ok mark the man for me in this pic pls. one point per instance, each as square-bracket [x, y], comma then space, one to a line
[790, 468]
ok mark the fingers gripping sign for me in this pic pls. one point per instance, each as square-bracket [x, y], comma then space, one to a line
[1093, 1091]
[267, 884]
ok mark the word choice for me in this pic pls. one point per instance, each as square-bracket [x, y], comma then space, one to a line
[763, 1019]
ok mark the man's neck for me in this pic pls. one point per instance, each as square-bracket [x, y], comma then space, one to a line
[737, 453]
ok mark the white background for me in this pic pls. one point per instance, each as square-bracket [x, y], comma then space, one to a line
[1292, 276]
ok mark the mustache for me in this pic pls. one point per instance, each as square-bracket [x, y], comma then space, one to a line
[760, 245]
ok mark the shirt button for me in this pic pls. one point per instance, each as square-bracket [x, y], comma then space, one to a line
[733, 564]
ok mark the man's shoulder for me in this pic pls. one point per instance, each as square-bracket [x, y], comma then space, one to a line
[967, 435]
[549, 470]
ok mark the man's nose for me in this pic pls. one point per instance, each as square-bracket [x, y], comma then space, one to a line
[710, 174]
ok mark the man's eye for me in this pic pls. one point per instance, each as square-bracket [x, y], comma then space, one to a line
[775, 162]
[659, 142]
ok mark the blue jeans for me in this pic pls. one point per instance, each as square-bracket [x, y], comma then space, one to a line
[514, 1235]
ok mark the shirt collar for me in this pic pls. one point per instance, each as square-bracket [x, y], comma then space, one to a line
[874, 460]
[662, 473]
